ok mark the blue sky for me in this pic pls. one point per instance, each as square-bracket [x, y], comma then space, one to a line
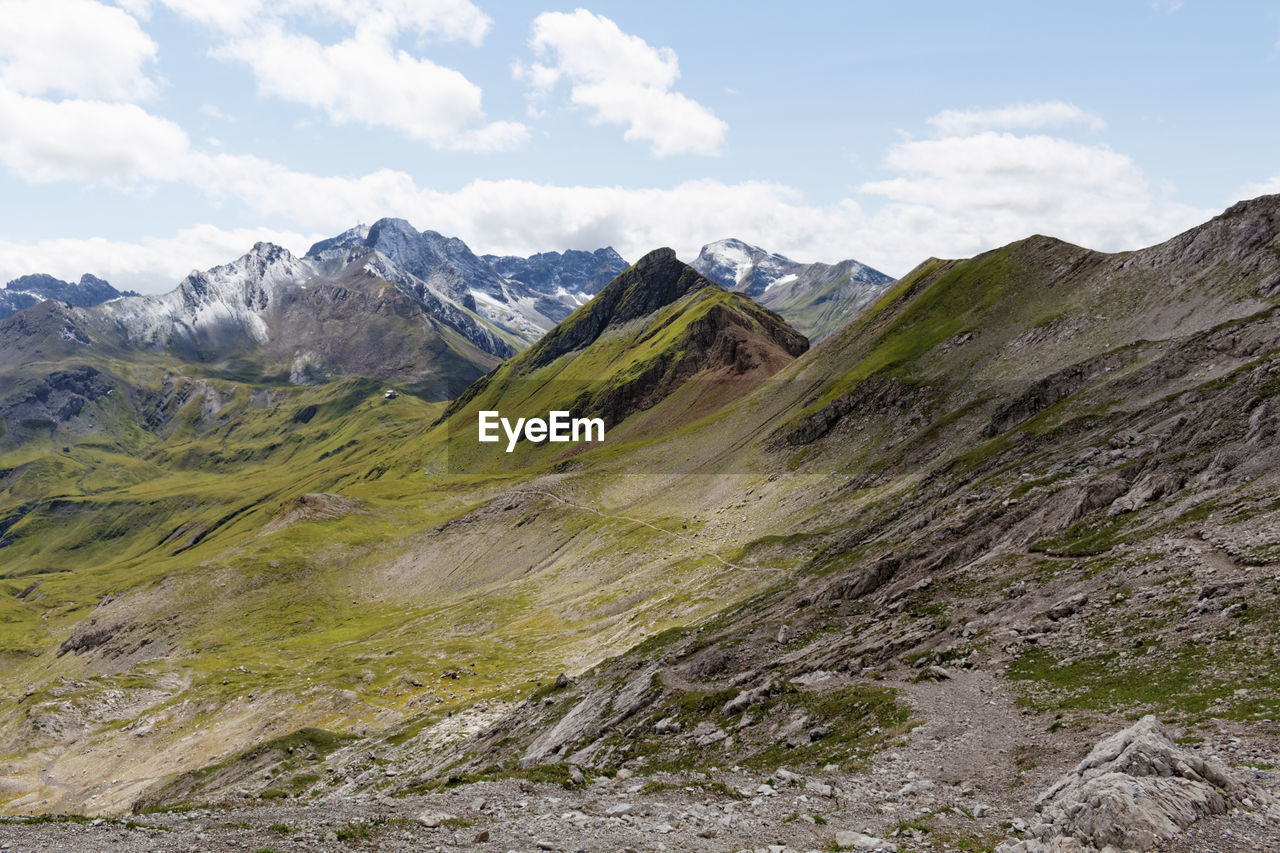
[142, 138]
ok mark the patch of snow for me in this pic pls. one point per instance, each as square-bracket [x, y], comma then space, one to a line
[785, 280]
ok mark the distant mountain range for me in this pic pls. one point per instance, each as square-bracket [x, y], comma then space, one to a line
[815, 298]
[30, 290]
[393, 303]
[384, 301]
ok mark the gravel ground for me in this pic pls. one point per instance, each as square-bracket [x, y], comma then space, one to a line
[961, 783]
[641, 814]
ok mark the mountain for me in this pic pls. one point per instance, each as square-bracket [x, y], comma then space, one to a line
[657, 347]
[29, 290]
[303, 320]
[917, 572]
[108, 373]
[565, 280]
[447, 266]
[815, 298]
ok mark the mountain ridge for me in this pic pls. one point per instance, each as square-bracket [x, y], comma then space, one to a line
[816, 298]
[660, 344]
[28, 290]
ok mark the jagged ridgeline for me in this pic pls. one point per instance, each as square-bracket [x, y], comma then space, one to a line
[30, 290]
[1004, 471]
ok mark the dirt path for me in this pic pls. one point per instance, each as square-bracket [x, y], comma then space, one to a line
[975, 734]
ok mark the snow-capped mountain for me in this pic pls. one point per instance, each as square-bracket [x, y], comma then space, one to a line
[736, 265]
[814, 298]
[565, 280]
[385, 301]
[276, 317]
[449, 268]
[208, 308]
[28, 290]
[446, 264]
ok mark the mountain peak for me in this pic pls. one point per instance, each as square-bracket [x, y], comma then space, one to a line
[355, 236]
[814, 298]
[28, 290]
[655, 281]
[391, 227]
[269, 251]
[737, 265]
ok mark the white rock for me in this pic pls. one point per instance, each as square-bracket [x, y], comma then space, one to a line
[861, 841]
[433, 819]
[819, 788]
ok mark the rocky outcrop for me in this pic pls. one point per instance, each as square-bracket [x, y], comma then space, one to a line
[1134, 790]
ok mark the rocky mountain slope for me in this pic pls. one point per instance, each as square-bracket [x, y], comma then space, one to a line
[77, 375]
[445, 267]
[660, 346]
[904, 586]
[29, 290]
[566, 280]
[815, 298]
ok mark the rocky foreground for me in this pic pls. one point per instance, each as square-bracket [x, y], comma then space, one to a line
[1136, 790]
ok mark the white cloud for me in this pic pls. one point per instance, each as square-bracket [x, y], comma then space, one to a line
[965, 194]
[1267, 187]
[76, 48]
[92, 141]
[622, 80]
[225, 15]
[362, 80]
[152, 265]
[1032, 116]
[459, 20]
[950, 197]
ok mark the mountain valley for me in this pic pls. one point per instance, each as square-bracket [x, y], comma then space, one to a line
[886, 588]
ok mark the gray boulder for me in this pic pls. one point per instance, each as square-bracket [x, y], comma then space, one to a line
[1135, 789]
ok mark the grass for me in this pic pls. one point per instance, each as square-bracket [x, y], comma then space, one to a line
[1192, 681]
[860, 720]
[549, 774]
[355, 831]
[185, 524]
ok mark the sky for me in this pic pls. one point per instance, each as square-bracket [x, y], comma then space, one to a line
[141, 139]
